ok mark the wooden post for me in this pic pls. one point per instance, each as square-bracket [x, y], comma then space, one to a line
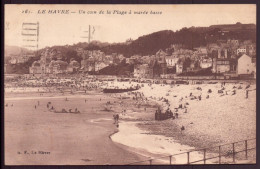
[170, 160]
[246, 148]
[204, 156]
[188, 157]
[233, 145]
[219, 154]
[151, 161]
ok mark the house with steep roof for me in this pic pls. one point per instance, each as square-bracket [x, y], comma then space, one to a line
[171, 61]
[155, 69]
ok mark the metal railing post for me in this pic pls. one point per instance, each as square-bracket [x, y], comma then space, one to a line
[219, 154]
[188, 157]
[204, 156]
[233, 145]
[225, 154]
[246, 148]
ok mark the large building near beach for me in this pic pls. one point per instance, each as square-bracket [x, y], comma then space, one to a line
[246, 65]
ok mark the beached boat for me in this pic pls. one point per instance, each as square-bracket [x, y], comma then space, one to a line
[65, 111]
[118, 90]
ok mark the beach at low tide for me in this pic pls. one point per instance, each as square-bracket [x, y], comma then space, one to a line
[36, 136]
[221, 118]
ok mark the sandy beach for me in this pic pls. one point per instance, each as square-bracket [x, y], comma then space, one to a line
[91, 137]
[219, 119]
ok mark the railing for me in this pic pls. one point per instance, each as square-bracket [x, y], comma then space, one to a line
[230, 153]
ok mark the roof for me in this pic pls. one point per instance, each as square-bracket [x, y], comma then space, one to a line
[243, 56]
[36, 63]
[161, 52]
[58, 62]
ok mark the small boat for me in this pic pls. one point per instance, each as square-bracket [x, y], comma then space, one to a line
[117, 90]
[65, 111]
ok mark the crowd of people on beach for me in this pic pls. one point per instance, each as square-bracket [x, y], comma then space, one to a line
[167, 113]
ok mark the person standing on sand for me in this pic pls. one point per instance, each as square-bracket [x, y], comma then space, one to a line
[182, 129]
[35, 107]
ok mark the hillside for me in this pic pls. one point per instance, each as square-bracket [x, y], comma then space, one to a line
[188, 37]
[149, 44]
[234, 27]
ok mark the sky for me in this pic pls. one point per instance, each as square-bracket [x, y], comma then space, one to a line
[68, 29]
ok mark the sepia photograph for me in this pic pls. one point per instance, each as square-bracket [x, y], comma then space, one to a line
[129, 84]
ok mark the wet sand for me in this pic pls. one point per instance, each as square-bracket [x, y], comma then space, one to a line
[40, 137]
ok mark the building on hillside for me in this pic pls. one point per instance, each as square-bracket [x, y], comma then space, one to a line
[192, 66]
[247, 42]
[206, 63]
[245, 65]
[241, 50]
[233, 42]
[142, 71]
[221, 65]
[13, 61]
[35, 68]
[160, 54]
[202, 50]
[79, 51]
[224, 62]
[121, 57]
[155, 69]
[145, 59]
[135, 59]
[47, 64]
[223, 53]
[88, 65]
[171, 61]
[130, 61]
[57, 67]
[179, 68]
[73, 66]
[163, 65]
[251, 49]
[100, 65]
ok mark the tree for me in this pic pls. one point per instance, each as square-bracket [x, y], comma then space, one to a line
[186, 63]
[71, 54]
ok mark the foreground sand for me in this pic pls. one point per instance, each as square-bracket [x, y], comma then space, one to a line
[220, 119]
[40, 137]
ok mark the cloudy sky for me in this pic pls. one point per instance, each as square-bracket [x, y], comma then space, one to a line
[62, 29]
